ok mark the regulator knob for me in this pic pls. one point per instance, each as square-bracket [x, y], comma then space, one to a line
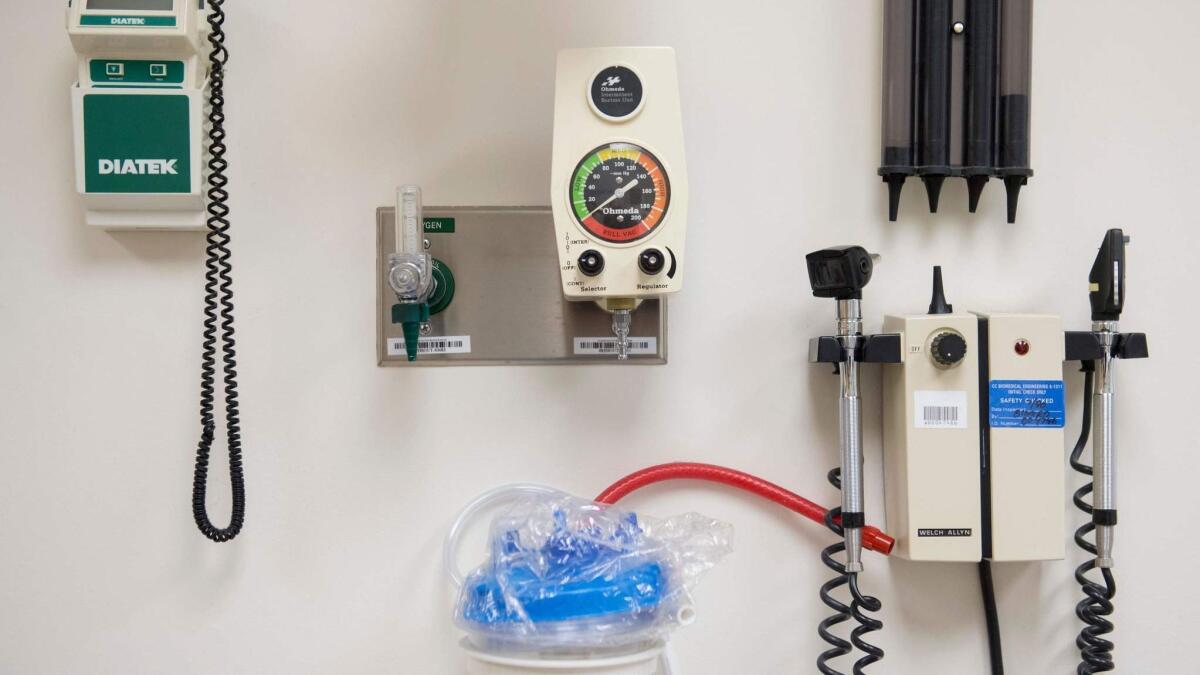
[948, 348]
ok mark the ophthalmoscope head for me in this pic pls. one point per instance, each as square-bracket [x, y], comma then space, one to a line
[1106, 283]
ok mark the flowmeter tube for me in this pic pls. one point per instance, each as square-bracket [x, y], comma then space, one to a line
[408, 220]
[410, 269]
[1016, 77]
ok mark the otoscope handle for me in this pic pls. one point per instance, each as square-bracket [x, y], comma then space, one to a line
[1104, 444]
[850, 437]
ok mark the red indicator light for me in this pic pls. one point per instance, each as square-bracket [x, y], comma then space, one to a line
[1021, 347]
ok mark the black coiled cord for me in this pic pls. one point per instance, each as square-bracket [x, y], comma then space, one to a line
[866, 624]
[838, 647]
[1095, 651]
[218, 305]
[859, 604]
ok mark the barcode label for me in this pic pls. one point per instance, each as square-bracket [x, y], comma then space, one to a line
[940, 409]
[940, 415]
[638, 346]
[447, 344]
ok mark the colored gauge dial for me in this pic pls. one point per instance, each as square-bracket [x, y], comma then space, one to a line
[620, 193]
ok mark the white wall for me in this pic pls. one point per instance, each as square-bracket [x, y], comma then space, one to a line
[354, 471]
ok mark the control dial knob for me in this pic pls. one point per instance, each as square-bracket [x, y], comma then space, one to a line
[948, 348]
[591, 262]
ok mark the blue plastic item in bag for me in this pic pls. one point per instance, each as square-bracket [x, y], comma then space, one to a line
[568, 573]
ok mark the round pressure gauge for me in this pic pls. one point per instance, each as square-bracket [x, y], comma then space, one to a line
[620, 193]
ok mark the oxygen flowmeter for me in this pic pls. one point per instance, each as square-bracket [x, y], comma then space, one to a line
[410, 270]
[138, 110]
[618, 181]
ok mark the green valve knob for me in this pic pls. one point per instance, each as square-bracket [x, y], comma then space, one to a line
[443, 288]
[410, 316]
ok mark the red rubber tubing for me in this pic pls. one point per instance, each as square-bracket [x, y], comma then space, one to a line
[873, 538]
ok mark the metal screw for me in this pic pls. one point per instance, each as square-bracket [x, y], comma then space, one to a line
[426, 329]
[428, 244]
[959, 27]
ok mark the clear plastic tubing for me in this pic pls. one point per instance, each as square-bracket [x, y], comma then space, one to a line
[484, 502]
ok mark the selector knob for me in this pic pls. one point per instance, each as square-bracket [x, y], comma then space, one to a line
[591, 262]
[948, 348]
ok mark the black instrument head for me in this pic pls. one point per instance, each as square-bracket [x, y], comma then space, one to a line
[840, 272]
[1106, 283]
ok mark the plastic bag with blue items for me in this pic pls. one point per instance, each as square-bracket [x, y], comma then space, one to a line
[567, 573]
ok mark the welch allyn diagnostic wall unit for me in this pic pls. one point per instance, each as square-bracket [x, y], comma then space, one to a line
[931, 434]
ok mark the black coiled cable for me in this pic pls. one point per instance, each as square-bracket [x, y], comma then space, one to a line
[859, 604]
[838, 646]
[1095, 651]
[218, 305]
